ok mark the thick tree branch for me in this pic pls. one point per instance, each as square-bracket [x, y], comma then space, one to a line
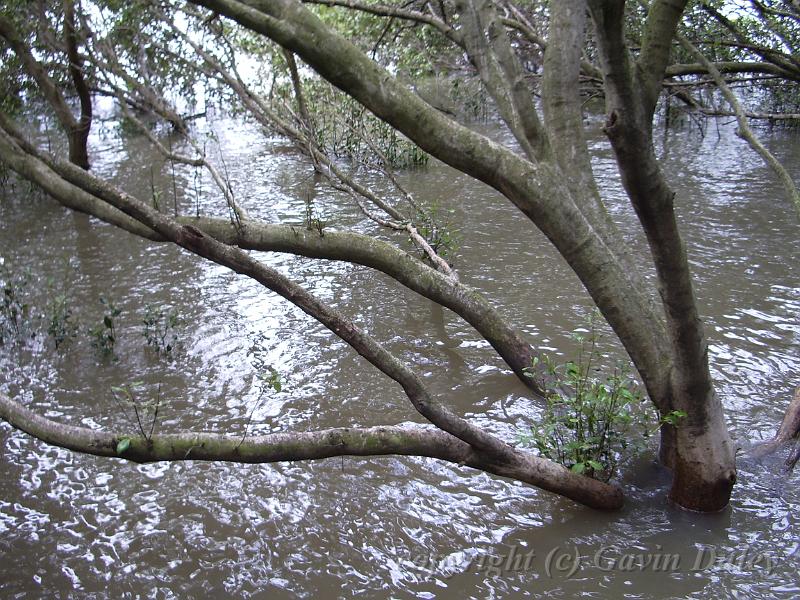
[489, 49]
[80, 130]
[661, 24]
[561, 100]
[36, 70]
[679, 70]
[199, 243]
[409, 440]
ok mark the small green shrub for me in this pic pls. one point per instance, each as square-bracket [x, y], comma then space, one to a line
[61, 323]
[590, 423]
[313, 220]
[129, 397]
[437, 230]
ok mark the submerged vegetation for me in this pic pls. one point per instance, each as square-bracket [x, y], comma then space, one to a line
[14, 308]
[24, 315]
[161, 325]
[61, 323]
[104, 334]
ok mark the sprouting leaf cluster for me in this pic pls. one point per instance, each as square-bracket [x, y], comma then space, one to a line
[590, 422]
[437, 230]
[103, 334]
[144, 411]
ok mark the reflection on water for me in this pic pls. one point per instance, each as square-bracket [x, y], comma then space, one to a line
[401, 527]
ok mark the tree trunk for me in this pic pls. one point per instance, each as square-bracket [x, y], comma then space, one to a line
[789, 429]
[77, 132]
[699, 449]
[78, 151]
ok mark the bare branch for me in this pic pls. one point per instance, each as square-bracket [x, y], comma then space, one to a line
[408, 440]
[489, 49]
[744, 130]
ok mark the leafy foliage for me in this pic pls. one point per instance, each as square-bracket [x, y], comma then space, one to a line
[410, 49]
[437, 230]
[345, 129]
[590, 424]
[61, 324]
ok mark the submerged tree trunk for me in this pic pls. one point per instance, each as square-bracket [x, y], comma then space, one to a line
[789, 430]
[672, 360]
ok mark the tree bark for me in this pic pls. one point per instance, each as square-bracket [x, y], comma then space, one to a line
[78, 131]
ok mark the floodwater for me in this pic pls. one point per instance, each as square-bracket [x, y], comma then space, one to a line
[73, 525]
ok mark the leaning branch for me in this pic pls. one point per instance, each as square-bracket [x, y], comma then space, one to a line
[744, 130]
[788, 430]
[408, 440]
[700, 68]
[344, 246]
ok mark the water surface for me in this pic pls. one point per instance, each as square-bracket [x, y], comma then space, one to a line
[399, 527]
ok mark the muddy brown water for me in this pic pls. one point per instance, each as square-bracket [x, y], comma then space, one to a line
[73, 525]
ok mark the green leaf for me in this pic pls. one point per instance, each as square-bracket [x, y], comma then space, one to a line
[123, 445]
[578, 468]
